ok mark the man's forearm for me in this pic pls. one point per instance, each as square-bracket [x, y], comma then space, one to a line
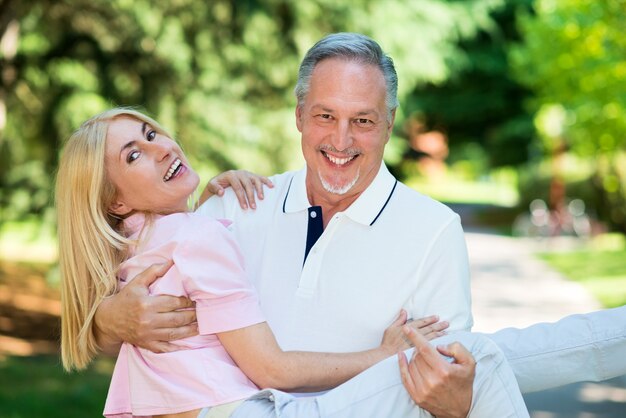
[106, 338]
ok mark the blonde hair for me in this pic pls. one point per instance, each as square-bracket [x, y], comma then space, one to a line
[91, 244]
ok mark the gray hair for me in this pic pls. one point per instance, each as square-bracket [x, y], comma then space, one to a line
[354, 47]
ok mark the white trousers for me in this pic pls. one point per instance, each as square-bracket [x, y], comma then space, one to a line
[587, 347]
[378, 391]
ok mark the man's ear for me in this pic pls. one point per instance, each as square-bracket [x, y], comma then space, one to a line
[391, 122]
[119, 208]
[299, 118]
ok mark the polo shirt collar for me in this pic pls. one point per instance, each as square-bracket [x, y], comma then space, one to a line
[296, 198]
[365, 210]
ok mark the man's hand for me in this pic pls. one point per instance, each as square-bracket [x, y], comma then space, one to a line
[244, 183]
[150, 322]
[442, 388]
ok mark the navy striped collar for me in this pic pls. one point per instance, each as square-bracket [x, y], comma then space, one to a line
[365, 210]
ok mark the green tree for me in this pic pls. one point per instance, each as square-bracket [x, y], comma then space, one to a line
[582, 71]
[219, 74]
[480, 106]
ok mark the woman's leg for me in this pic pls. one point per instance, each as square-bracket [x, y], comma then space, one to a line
[378, 391]
[588, 347]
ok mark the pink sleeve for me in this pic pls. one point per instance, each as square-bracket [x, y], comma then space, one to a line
[118, 399]
[211, 268]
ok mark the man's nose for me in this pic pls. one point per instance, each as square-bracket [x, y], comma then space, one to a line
[342, 138]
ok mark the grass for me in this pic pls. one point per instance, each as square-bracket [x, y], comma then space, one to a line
[601, 270]
[38, 387]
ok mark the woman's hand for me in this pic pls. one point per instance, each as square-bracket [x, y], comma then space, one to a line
[244, 184]
[395, 340]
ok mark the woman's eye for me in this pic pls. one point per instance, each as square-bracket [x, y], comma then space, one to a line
[132, 156]
[151, 135]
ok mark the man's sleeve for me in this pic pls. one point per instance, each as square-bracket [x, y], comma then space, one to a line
[444, 279]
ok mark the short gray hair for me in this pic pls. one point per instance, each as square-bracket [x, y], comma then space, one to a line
[354, 47]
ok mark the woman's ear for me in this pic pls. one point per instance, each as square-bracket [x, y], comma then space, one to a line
[119, 208]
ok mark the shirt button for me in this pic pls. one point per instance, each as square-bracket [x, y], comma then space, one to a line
[313, 215]
[271, 398]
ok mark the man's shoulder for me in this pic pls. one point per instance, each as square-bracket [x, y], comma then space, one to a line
[412, 200]
[414, 216]
[282, 180]
[228, 207]
[281, 183]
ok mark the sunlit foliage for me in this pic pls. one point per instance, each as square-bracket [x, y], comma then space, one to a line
[218, 73]
[572, 58]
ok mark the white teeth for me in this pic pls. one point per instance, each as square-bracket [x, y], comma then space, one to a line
[172, 169]
[339, 161]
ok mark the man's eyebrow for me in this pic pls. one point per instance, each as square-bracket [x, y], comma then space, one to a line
[322, 108]
[367, 112]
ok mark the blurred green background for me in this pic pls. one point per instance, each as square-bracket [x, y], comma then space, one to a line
[502, 102]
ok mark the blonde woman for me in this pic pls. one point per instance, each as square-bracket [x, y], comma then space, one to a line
[123, 191]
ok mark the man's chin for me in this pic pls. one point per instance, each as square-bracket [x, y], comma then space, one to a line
[338, 188]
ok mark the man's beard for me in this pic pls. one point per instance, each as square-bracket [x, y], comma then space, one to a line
[338, 190]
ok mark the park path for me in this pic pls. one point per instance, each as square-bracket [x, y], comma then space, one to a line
[510, 287]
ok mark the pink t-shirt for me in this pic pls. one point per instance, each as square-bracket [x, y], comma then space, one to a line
[207, 269]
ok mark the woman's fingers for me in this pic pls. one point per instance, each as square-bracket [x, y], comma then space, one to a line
[430, 327]
[247, 186]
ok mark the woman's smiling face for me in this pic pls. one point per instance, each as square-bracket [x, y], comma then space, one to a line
[149, 170]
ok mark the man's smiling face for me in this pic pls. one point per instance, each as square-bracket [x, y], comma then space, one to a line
[345, 127]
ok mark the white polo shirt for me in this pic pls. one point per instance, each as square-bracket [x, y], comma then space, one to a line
[392, 248]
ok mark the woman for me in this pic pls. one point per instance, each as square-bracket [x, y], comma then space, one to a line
[123, 190]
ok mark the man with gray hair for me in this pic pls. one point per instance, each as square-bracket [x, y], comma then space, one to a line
[339, 247]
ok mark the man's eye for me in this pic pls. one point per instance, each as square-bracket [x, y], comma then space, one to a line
[132, 156]
[324, 116]
[363, 121]
[151, 135]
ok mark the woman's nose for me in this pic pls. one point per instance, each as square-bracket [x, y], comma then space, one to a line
[161, 149]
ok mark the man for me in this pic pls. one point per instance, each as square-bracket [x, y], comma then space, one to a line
[372, 245]
[337, 249]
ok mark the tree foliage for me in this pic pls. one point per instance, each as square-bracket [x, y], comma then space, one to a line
[481, 104]
[572, 58]
[218, 73]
